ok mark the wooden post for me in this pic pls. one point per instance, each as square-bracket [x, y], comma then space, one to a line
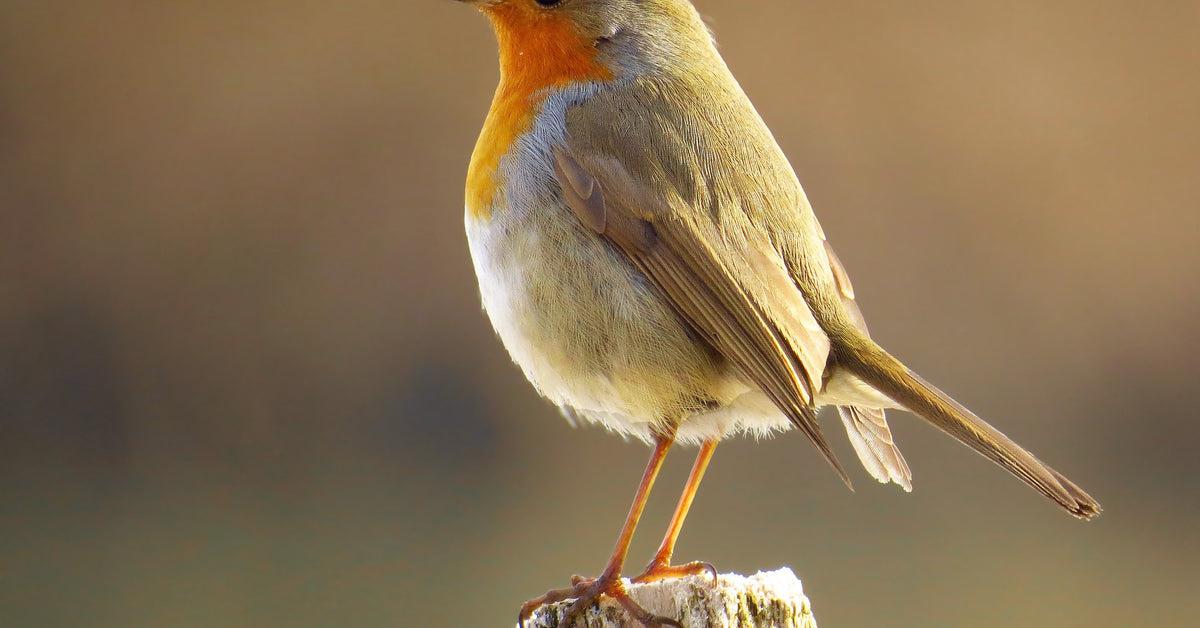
[774, 599]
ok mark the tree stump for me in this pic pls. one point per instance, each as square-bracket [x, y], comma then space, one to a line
[774, 599]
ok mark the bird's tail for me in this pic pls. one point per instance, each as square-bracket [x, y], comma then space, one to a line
[870, 363]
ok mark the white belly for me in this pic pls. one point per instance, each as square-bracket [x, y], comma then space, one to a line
[531, 305]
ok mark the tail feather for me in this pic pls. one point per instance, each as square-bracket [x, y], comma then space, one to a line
[867, 360]
[872, 441]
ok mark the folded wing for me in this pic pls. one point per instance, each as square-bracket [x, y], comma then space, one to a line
[729, 284]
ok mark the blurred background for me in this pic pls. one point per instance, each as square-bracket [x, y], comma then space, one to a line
[245, 379]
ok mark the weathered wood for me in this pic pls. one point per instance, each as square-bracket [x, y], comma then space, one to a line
[774, 599]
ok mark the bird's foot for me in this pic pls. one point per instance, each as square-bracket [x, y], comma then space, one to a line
[586, 592]
[661, 570]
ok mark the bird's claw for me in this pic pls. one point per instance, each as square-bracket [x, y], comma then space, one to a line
[586, 592]
[657, 570]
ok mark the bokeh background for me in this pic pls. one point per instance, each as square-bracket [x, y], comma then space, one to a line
[245, 379]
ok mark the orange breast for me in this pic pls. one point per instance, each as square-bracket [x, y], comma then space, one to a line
[539, 50]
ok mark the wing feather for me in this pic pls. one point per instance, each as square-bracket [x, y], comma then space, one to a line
[730, 293]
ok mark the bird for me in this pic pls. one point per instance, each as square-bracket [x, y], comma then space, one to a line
[647, 256]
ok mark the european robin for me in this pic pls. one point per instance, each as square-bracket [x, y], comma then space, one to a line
[646, 254]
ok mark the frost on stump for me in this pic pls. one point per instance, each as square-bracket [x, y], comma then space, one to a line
[774, 599]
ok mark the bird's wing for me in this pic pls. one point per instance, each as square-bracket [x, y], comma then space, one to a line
[723, 276]
[867, 427]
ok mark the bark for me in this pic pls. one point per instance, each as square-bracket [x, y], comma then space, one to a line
[775, 599]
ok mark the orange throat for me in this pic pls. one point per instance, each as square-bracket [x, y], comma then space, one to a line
[539, 50]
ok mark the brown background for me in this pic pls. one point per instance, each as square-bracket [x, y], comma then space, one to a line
[245, 379]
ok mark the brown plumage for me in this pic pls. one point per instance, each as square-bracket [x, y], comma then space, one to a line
[711, 249]
[650, 261]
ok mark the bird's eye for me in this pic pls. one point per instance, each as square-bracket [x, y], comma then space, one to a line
[548, 3]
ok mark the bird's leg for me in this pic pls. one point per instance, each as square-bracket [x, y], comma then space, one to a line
[661, 568]
[586, 591]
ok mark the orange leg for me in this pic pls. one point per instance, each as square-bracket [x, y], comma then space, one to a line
[661, 568]
[586, 591]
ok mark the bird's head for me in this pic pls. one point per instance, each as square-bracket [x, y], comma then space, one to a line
[597, 38]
